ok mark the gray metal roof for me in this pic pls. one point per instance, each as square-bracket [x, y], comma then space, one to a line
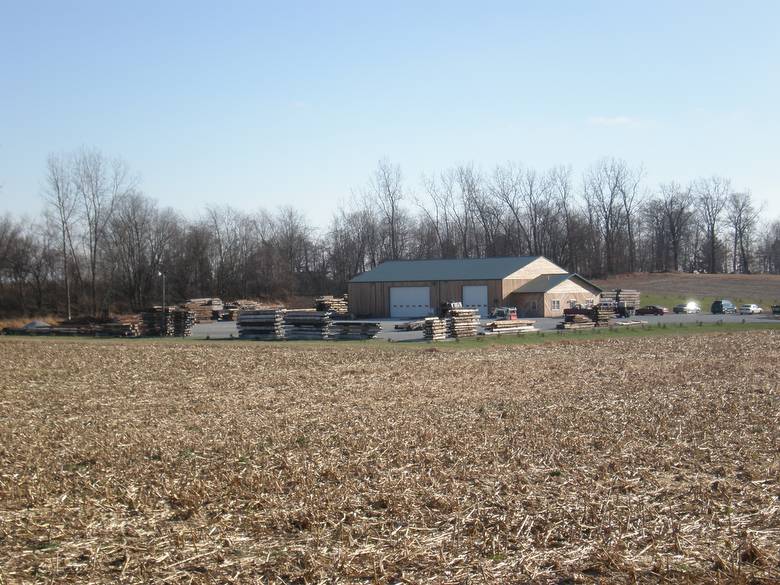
[466, 269]
[546, 282]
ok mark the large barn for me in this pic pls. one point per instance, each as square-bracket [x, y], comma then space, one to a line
[417, 288]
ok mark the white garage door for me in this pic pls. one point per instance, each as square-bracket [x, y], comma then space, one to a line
[410, 301]
[476, 297]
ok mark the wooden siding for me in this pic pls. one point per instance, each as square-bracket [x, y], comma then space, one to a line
[372, 299]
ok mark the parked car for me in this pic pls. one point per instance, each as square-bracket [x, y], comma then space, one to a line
[652, 310]
[689, 307]
[723, 307]
[750, 309]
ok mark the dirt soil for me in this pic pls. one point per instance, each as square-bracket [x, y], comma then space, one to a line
[616, 461]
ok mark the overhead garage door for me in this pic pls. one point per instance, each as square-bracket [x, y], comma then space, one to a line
[476, 297]
[410, 301]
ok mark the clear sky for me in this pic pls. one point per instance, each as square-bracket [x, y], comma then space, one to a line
[262, 104]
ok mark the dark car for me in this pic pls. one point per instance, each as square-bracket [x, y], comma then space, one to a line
[723, 307]
[652, 310]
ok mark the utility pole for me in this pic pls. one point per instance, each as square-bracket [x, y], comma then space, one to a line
[164, 308]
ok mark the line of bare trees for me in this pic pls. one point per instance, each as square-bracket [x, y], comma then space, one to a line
[101, 245]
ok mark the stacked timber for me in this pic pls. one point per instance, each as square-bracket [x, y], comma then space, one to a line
[354, 330]
[168, 322]
[307, 324]
[510, 326]
[203, 308]
[602, 315]
[626, 295]
[261, 324]
[330, 304]
[576, 321]
[434, 329]
[124, 327]
[183, 320]
[463, 323]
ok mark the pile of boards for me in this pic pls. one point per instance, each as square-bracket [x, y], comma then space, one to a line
[601, 315]
[410, 326]
[124, 327]
[276, 324]
[462, 323]
[509, 326]
[630, 297]
[167, 322]
[203, 309]
[329, 304]
[261, 324]
[305, 325]
[434, 329]
[233, 308]
[458, 323]
[576, 321]
[354, 330]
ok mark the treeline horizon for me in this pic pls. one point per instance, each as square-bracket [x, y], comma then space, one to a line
[101, 244]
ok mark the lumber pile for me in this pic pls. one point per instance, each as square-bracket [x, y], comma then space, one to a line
[261, 324]
[463, 323]
[628, 296]
[331, 304]
[354, 330]
[602, 315]
[576, 321]
[307, 324]
[509, 326]
[631, 323]
[168, 322]
[434, 329]
[126, 327]
[203, 308]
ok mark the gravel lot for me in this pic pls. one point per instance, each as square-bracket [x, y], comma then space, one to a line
[224, 330]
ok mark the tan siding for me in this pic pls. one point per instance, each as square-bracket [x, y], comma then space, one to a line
[536, 268]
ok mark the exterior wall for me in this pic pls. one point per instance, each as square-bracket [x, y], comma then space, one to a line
[528, 304]
[372, 299]
[541, 304]
[527, 273]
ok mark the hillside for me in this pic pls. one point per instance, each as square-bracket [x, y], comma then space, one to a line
[670, 288]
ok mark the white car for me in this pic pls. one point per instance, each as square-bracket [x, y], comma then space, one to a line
[750, 309]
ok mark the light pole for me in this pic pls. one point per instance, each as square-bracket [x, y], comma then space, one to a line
[164, 311]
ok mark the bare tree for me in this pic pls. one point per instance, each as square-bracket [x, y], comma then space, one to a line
[743, 216]
[98, 183]
[676, 204]
[386, 190]
[712, 195]
[61, 198]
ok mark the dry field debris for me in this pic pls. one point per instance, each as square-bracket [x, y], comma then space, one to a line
[619, 460]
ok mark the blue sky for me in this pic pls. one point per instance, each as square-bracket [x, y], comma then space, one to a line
[259, 105]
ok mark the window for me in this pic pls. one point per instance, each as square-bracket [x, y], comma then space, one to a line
[556, 305]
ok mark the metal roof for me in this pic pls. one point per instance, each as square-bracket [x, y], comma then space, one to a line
[546, 282]
[465, 269]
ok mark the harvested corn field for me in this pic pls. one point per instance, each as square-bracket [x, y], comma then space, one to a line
[620, 460]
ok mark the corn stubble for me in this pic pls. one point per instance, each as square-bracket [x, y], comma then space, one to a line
[611, 461]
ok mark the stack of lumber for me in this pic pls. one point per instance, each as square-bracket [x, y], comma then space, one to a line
[172, 321]
[463, 323]
[510, 326]
[434, 329]
[203, 308]
[354, 330]
[631, 323]
[630, 297]
[601, 316]
[307, 324]
[576, 321]
[183, 320]
[261, 324]
[125, 327]
[234, 308]
[331, 304]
